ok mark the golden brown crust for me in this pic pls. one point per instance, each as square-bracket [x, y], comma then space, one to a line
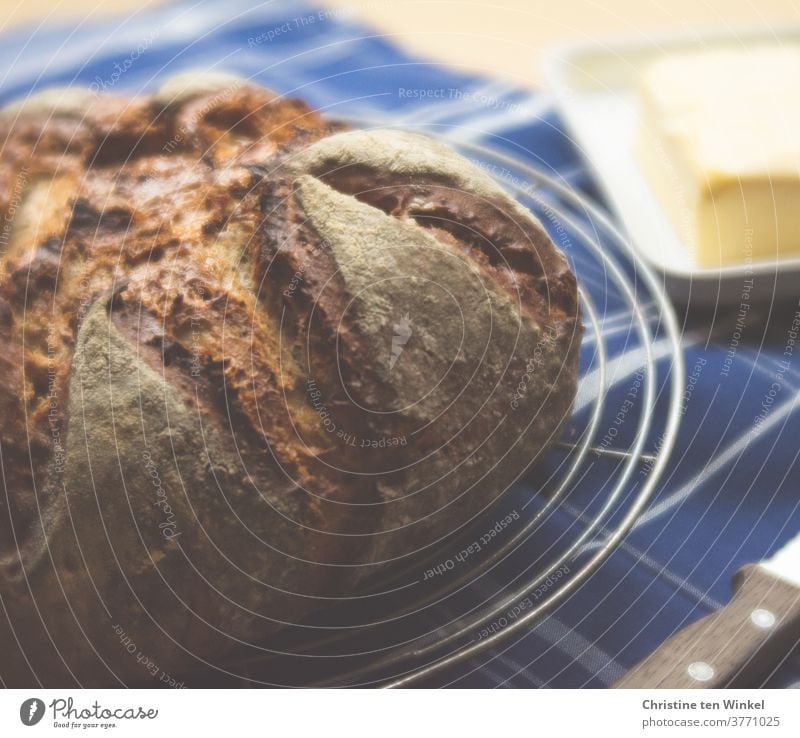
[212, 290]
[157, 204]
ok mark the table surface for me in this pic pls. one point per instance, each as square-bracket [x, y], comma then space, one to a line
[496, 37]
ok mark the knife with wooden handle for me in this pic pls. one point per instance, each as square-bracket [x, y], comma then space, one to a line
[738, 644]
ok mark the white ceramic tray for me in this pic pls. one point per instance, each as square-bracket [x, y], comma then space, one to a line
[594, 87]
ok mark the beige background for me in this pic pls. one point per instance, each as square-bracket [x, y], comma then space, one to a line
[494, 36]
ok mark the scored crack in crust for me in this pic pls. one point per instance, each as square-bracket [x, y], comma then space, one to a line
[250, 357]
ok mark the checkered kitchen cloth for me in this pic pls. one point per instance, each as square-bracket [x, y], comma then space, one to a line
[731, 494]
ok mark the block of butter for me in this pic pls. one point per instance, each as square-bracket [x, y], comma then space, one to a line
[719, 141]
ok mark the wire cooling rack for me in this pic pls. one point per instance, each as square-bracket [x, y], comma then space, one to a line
[423, 623]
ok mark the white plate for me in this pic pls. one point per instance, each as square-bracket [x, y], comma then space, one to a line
[594, 87]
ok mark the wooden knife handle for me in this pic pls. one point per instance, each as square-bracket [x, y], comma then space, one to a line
[732, 647]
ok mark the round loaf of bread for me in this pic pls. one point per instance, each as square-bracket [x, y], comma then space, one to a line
[251, 359]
